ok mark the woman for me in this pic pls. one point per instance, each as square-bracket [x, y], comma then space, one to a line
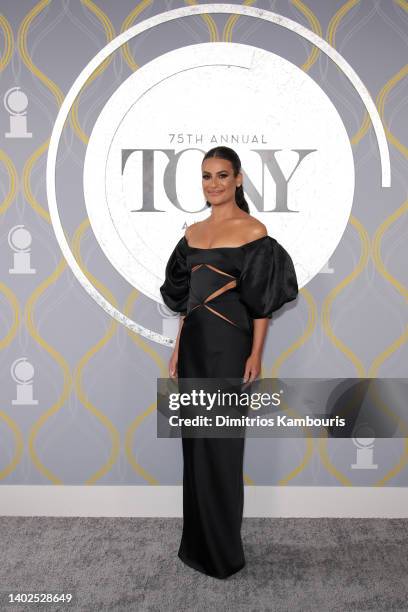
[225, 277]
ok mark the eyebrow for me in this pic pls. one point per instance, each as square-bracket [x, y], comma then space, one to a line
[219, 172]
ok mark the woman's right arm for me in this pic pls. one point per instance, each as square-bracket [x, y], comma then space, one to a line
[174, 358]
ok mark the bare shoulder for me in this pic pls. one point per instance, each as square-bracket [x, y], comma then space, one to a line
[254, 229]
[191, 229]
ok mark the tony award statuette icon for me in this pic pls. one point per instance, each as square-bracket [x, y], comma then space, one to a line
[22, 372]
[365, 452]
[19, 239]
[16, 102]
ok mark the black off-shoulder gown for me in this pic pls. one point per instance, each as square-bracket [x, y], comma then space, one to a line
[220, 290]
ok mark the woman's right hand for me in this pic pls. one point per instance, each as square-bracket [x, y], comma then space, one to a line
[173, 364]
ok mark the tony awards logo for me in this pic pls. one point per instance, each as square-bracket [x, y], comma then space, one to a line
[142, 186]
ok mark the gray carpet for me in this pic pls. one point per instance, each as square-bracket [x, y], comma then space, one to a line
[132, 564]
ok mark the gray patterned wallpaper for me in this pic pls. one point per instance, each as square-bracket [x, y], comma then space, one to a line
[78, 389]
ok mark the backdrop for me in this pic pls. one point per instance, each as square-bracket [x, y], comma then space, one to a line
[84, 334]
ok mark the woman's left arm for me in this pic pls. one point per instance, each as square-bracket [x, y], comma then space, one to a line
[254, 362]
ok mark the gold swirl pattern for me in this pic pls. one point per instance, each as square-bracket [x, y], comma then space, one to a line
[47, 473]
[110, 34]
[128, 22]
[367, 248]
[8, 43]
[8, 294]
[106, 422]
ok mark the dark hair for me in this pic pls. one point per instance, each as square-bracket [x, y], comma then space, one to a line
[232, 156]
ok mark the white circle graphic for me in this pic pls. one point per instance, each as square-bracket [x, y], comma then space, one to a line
[142, 173]
[123, 38]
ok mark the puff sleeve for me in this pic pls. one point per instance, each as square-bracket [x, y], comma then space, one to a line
[175, 289]
[268, 278]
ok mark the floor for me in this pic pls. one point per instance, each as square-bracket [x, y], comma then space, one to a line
[131, 564]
